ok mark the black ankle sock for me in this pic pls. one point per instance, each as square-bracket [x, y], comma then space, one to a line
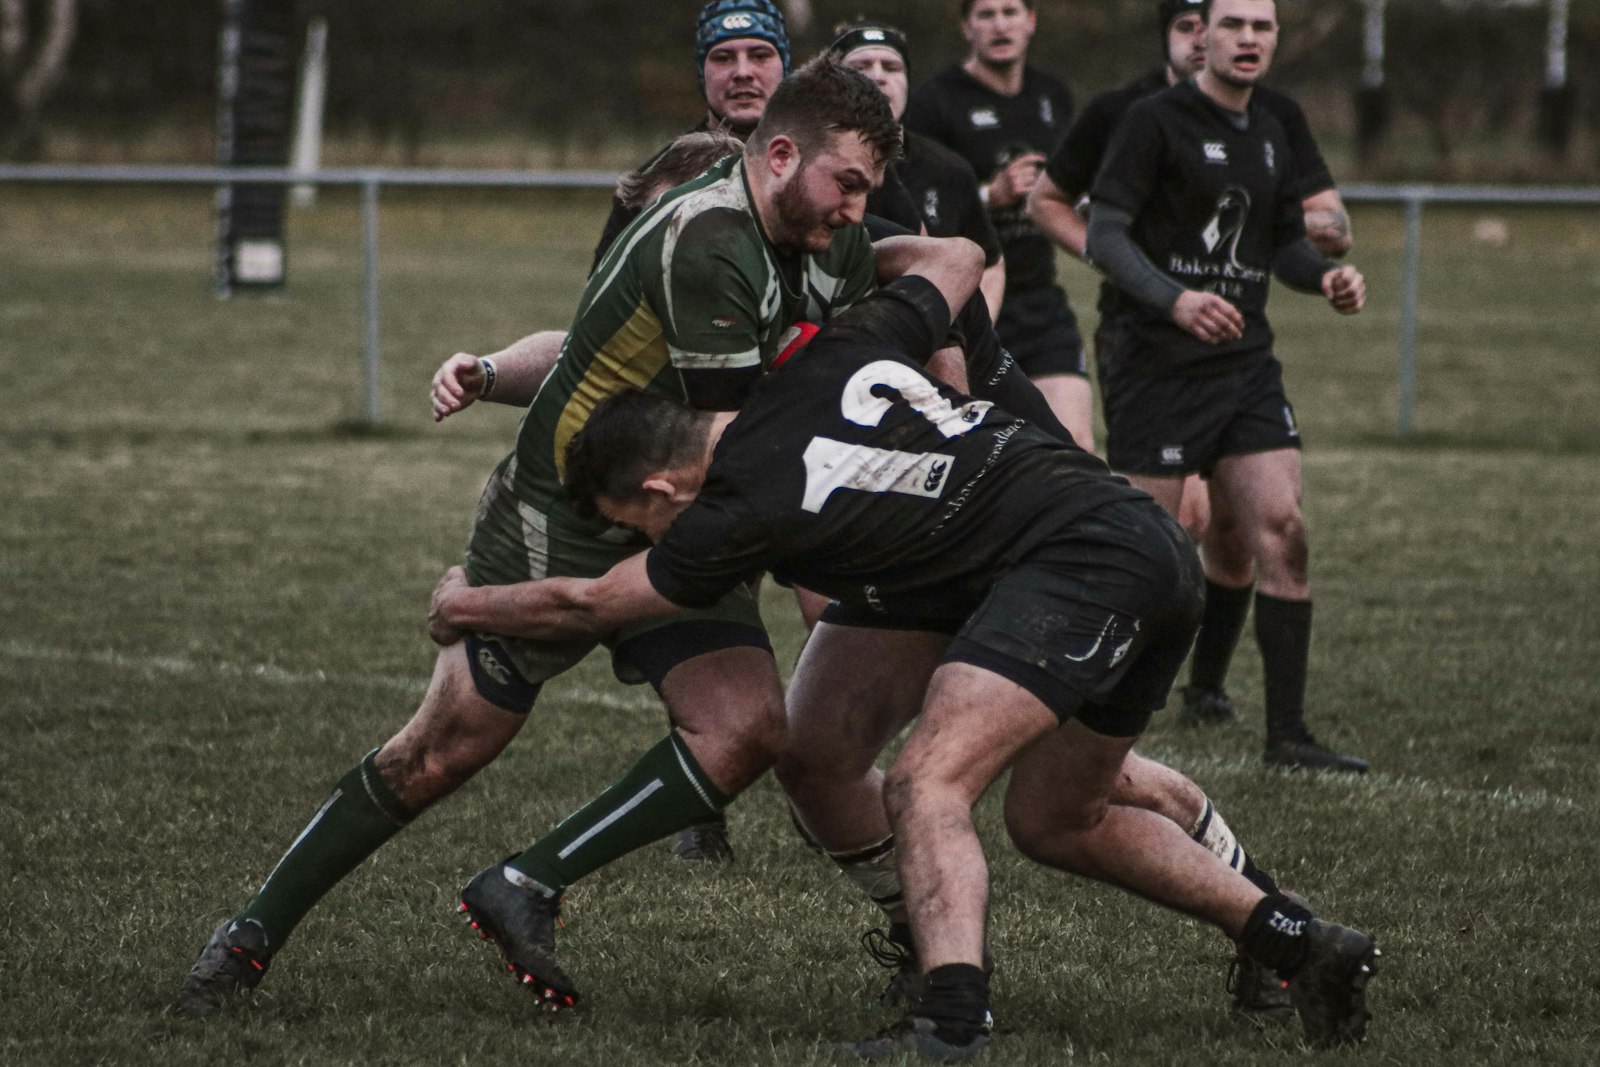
[1275, 934]
[957, 1000]
[1220, 627]
[1283, 630]
[1258, 878]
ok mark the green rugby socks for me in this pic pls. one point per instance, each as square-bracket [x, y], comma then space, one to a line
[663, 793]
[361, 814]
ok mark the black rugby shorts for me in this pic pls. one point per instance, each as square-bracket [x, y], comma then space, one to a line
[1098, 624]
[1162, 423]
[1040, 331]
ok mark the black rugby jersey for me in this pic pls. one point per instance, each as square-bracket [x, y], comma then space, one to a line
[1211, 206]
[1077, 160]
[945, 191]
[851, 472]
[986, 129]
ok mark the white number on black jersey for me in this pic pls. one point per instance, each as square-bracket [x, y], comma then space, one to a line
[832, 464]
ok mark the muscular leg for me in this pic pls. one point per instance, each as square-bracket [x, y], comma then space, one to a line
[1070, 399]
[453, 734]
[1262, 490]
[973, 724]
[1059, 812]
[851, 693]
[728, 707]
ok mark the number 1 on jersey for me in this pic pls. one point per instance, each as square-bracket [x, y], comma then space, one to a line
[832, 464]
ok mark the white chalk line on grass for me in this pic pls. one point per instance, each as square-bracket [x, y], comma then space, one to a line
[1204, 767]
[632, 700]
[640, 699]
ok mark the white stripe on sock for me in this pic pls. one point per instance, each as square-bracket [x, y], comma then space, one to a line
[633, 802]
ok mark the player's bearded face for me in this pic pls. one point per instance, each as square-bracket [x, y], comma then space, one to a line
[825, 194]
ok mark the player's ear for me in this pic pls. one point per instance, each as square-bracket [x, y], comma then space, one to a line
[783, 156]
[661, 484]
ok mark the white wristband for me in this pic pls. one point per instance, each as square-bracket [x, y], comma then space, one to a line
[489, 376]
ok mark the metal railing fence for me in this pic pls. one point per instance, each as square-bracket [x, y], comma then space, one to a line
[372, 180]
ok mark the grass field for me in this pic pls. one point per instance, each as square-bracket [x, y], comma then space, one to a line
[211, 598]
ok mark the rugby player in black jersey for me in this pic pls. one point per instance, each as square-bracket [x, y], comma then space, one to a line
[1055, 204]
[1004, 116]
[1070, 599]
[1194, 207]
[940, 183]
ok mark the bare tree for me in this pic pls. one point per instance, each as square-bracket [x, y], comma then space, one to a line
[35, 38]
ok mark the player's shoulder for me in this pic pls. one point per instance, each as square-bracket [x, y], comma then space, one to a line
[1037, 80]
[924, 152]
[944, 85]
[1285, 107]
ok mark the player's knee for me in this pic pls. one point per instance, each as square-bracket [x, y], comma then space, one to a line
[1050, 835]
[1284, 544]
[759, 731]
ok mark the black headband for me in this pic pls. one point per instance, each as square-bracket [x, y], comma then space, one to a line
[871, 36]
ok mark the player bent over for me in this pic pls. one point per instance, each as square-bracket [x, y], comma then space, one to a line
[853, 473]
[692, 302]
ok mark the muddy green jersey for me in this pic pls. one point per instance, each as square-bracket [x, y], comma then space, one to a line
[691, 301]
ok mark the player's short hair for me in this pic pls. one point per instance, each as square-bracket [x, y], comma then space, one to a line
[966, 6]
[687, 157]
[825, 97]
[630, 436]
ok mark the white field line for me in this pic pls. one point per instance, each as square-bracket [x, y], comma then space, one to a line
[1365, 785]
[643, 699]
[632, 699]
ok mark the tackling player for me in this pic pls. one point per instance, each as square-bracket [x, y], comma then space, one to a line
[852, 472]
[691, 303]
[1195, 206]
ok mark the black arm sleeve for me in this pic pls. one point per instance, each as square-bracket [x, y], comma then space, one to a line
[1112, 249]
[907, 316]
[1300, 266]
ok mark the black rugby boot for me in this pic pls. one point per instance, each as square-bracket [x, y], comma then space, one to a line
[521, 921]
[233, 960]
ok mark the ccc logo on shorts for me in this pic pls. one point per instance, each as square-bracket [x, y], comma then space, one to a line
[493, 667]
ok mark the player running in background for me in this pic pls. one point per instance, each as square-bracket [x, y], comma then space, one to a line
[1058, 203]
[1194, 207]
[693, 303]
[1071, 597]
[1004, 117]
[940, 183]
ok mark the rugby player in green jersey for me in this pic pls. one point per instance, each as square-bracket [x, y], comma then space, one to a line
[1050, 623]
[692, 302]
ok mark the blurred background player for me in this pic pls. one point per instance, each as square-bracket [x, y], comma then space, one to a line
[941, 184]
[1004, 117]
[1194, 208]
[1059, 204]
[741, 53]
